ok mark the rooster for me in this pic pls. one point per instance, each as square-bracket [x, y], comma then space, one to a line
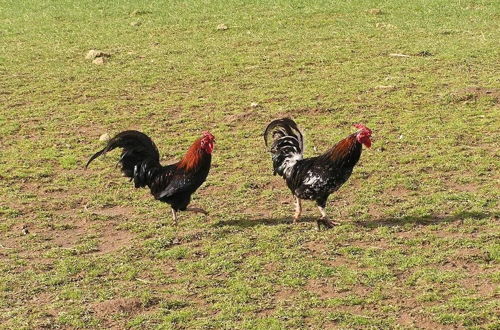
[172, 184]
[317, 177]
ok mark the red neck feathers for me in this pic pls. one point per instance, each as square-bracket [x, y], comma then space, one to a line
[343, 148]
[347, 151]
[192, 157]
[199, 150]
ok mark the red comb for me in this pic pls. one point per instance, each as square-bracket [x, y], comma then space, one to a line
[362, 127]
[208, 134]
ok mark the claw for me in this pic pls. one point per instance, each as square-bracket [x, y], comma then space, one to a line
[326, 222]
[196, 210]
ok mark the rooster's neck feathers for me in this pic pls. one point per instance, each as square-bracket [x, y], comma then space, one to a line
[346, 152]
[193, 157]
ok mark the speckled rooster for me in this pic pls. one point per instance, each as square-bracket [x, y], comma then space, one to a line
[317, 177]
[173, 184]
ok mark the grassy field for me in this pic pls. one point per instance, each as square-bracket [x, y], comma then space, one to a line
[419, 242]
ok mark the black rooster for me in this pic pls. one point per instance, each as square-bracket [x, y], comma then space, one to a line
[317, 177]
[172, 184]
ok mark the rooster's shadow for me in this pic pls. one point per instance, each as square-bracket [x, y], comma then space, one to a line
[266, 221]
[373, 223]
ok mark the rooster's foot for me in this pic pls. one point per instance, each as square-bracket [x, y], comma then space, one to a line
[326, 222]
[202, 211]
[197, 210]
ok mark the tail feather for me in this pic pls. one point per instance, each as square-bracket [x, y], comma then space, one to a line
[140, 159]
[286, 144]
[97, 154]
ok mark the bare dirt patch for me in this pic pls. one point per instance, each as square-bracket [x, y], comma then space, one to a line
[325, 290]
[375, 212]
[115, 211]
[315, 247]
[377, 245]
[118, 305]
[470, 187]
[399, 192]
[471, 94]
[113, 239]
[110, 238]
[246, 116]
[69, 237]
[285, 294]
[341, 261]
[414, 319]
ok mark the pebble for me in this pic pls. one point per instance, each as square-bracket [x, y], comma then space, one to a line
[222, 26]
[105, 137]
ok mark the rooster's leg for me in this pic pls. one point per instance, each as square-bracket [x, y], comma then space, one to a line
[174, 216]
[298, 209]
[323, 220]
[197, 210]
[322, 211]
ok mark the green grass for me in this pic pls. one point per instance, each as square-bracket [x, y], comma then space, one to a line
[419, 240]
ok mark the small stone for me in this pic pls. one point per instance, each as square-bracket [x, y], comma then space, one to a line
[176, 241]
[424, 53]
[375, 11]
[139, 12]
[98, 61]
[398, 55]
[222, 27]
[385, 26]
[105, 137]
[135, 23]
[93, 54]
[389, 87]
[254, 104]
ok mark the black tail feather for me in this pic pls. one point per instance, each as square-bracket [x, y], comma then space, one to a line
[97, 154]
[286, 144]
[283, 127]
[140, 158]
